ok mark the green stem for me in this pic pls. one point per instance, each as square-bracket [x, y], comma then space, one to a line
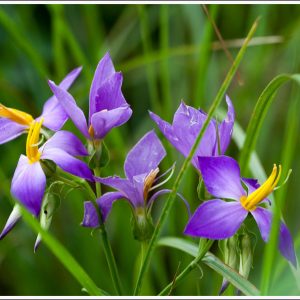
[172, 195]
[188, 269]
[106, 244]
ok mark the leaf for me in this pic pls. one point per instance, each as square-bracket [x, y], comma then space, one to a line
[261, 108]
[213, 262]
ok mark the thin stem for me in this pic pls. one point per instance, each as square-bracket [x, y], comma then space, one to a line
[172, 195]
[188, 269]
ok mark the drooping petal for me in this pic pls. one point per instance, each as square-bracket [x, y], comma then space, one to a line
[68, 163]
[9, 130]
[28, 184]
[221, 175]
[216, 219]
[226, 127]
[53, 113]
[263, 218]
[67, 101]
[104, 70]
[105, 202]
[144, 156]
[66, 141]
[103, 121]
[12, 220]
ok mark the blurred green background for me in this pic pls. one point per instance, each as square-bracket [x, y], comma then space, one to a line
[166, 53]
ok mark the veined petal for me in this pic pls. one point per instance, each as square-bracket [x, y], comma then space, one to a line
[216, 220]
[12, 220]
[9, 130]
[103, 121]
[221, 175]
[263, 218]
[67, 142]
[53, 113]
[68, 163]
[28, 184]
[67, 101]
[145, 156]
[226, 127]
[104, 70]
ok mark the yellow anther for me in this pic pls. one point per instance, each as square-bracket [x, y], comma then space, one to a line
[91, 131]
[149, 181]
[32, 150]
[249, 202]
[15, 115]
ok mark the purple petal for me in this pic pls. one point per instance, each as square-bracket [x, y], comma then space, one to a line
[66, 141]
[53, 113]
[68, 163]
[9, 130]
[252, 185]
[145, 156]
[28, 184]
[104, 70]
[221, 175]
[103, 121]
[226, 127]
[90, 218]
[68, 103]
[12, 220]
[263, 218]
[216, 220]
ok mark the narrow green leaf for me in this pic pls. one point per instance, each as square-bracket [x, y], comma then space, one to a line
[213, 262]
[63, 255]
[261, 108]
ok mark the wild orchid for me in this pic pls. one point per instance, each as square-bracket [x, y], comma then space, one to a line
[108, 107]
[14, 122]
[219, 219]
[187, 123]
[141, 170]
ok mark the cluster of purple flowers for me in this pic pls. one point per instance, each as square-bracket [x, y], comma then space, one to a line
[235, 197]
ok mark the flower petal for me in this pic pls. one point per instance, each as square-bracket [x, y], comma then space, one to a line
[145, 156]
[28, 184]
[226, 127]
[12, 220]
[9, 130]
[263, 218]
[221, 175]
[104, 70]
[53, 113]
[103, 121]
[67, 142]
[68, 163]
[73, 111]
[105, 202]
[216, 219]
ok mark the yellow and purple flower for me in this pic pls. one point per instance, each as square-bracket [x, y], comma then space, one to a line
[218, 219]
[187, 124]
[108, 107]
[14, 122]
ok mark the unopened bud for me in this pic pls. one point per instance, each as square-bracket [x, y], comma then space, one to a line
[246, 255]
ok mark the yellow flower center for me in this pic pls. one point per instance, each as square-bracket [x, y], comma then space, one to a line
[32, 149]
[249, 202]
[15, 115]
[149, 182]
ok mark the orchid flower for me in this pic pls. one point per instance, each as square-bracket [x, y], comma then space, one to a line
[218, 219]
[141, 169]
[108, 107]
[14, 122]
[187, 123]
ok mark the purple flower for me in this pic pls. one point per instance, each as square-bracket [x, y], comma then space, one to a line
[217, 219]
[14, 122]
[29, 180]
[108, 107]
[141, 169]
[187, 123]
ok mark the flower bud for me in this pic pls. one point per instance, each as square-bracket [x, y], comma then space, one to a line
[246, 255]
[142, 225]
